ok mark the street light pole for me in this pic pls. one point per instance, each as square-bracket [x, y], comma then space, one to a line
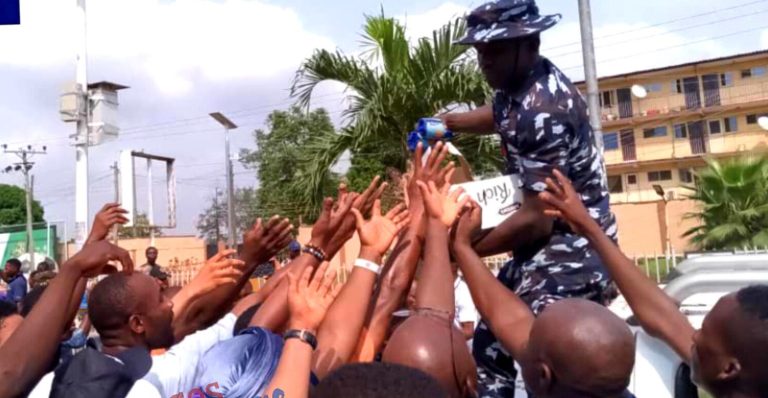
[228, 125]
[81, 136]
[590, 71]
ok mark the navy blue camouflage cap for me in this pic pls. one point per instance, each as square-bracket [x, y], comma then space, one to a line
[505, 20]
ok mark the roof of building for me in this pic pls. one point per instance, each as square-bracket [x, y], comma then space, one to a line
[685, 65]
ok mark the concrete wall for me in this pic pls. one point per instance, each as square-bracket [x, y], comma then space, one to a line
[641, 226]
[173, 251]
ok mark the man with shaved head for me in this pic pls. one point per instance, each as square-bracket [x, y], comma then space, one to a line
[727, 355]
[578, 348]
[575, 348]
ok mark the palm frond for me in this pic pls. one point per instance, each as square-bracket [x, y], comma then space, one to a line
[324, 66]
[384, 39]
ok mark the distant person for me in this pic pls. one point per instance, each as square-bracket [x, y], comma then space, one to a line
[42, 275]
[151, 264]
[17, 283]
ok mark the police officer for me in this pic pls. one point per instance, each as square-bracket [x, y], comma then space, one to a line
[542, 120]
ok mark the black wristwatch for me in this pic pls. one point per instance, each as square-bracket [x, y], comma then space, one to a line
[303, 335]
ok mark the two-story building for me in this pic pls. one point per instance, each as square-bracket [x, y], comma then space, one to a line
[659, 125]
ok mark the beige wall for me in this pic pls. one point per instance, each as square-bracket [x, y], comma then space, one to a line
[172, 250]
[641, 226]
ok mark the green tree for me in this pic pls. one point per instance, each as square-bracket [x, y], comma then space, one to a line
[733, 200]
[140, 229]
[212, 222]
[391, 85]
[276, 164]
[13, 206]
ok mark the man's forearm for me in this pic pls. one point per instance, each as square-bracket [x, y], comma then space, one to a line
[340, 330]
[394, 284]
[655, 311]
[26, 355]
[476, 121]
[291, 378]
[522, 229]
[509, 318]
[273, 313]
[435, 290]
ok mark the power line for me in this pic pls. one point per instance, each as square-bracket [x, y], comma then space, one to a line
[671, 21]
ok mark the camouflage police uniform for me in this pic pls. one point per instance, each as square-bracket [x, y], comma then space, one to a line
[542, 126]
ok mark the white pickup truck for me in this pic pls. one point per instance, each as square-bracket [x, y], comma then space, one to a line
[697, 283]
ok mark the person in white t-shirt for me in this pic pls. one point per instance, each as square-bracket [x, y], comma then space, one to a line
[466, 312]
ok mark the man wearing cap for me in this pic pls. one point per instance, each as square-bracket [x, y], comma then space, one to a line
[542, 120]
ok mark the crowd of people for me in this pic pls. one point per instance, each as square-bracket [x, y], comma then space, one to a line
[393, 328]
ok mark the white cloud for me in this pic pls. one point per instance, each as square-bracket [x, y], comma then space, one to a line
[422, 25]
[175, 43]
[764, 40]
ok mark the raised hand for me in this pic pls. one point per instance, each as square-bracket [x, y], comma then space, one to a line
[109, 215]
[378, 233]
[432, 170]
[441, 204]
[566, 203]
[262, 242]
[329, 232]
[469, 222]
[94, 259]
[219, 270]
[309, 298]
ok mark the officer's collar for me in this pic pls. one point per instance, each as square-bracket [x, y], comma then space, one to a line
[537, 72]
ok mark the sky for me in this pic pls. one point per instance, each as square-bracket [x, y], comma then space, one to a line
[187, 58]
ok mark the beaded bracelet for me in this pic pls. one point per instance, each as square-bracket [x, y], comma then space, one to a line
[316, 252]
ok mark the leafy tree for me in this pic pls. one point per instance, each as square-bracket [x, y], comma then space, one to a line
[275, 160]
[733, 199]
[140, 229]
[13, 206]
[391, 86]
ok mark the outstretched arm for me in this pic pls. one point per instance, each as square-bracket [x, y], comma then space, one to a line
[308, 302]
[435, 290]
[26, 355]
[476, 121]
[509, 318]
[339, 333]
[657, 313]
[398, 272]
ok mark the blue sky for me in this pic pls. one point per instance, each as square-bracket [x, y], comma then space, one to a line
[184, 59]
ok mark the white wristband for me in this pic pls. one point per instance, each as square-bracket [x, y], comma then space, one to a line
[369, 265]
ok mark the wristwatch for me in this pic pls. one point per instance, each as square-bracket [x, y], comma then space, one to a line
[303, 335]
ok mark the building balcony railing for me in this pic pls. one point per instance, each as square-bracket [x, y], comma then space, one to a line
[696, 100]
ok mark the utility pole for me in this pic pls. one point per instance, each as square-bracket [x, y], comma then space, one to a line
[228, 125]
[24, 166]
[590, 71]
[81, 137]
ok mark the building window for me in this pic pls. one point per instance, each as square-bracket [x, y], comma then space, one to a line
[611, 141]
[663, 175]
[681, 130]
[606, 99]
[655, 132]
[752, 119]
[714, 127]
[654, 87]
[754, 72]
[686, 176]
[615, 185]
[631, 179]
[677, 86]
[731, 124]
[726, 79]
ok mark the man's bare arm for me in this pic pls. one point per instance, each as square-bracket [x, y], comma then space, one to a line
[526, 228]
[657, 313]
[476, 121]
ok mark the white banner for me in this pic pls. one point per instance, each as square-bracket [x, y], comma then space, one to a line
[498, 197]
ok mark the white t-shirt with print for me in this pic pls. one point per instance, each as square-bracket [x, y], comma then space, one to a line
[174, 372]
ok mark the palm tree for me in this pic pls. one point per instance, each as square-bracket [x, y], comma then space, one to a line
[406, 83]
[733, 198]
